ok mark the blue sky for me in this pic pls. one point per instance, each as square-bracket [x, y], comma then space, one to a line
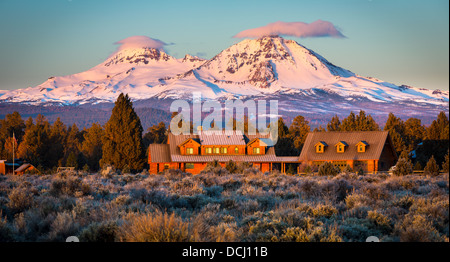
[399, 41]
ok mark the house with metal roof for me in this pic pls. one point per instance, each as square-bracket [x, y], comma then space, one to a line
[191, 153]
[370, 150]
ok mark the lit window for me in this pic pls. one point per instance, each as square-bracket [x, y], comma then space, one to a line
[224, 150]
[236, 150]
[216, 150]
[189, 165]
[208, 150]
[189, 151]
[256, 150]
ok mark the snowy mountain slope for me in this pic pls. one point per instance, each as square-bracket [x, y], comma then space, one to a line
[267, 67]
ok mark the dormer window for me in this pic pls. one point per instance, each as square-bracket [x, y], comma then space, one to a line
[256, 151]
[320, 147]
[361, 146]
[340, 147]
[189, 151]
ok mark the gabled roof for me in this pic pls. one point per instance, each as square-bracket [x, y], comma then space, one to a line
[24, 167]
[221, 137]
[190, 139]
[267, 142]
[376, 139]
[362, 142]
[321, 142]
[342, 143]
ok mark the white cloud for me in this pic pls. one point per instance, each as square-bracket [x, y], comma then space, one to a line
[138, 41]
[318, 28]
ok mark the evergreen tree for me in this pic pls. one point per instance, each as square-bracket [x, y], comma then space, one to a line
[334, 124]
[445, 166]
[156, 134]
[122, 139]
[319, 129]
[36, 142]
[414, 133]
[431, 168]
[298, 131]
[92, 146]
[12, 123]
[58, 134]
[283, 130]
[439, 128]
[285, 144]
[366, 123]
[360, 122]
[396, 129]
[349, 123]
[403, 166]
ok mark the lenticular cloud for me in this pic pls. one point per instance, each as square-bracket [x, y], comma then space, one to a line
[135, 42]
[318, 28]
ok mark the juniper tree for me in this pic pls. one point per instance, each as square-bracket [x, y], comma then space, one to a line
[334, 124]
[396, 129]
[432, 168]
[298, 131]
[122, 139]
[445, 165]
[92, 146]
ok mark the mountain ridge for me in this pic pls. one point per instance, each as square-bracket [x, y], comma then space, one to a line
[253, 68]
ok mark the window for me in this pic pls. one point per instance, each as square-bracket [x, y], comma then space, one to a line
[256, 150]
[166, 166]
[208, 150]
[361, 148]
[340, 148]
[216, 150]
[224, 150]
[320, 147]
[189, 151]
[189, 165]
[236, 150]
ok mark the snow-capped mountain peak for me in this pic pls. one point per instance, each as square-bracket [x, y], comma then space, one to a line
[268, 66]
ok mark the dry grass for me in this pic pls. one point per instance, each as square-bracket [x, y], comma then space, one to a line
[244, 206]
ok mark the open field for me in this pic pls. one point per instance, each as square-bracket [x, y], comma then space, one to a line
[219, 206]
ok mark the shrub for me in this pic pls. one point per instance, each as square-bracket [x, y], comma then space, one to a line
[20, 199]
[63, 226]
[231, 166]
[328, 169]
[416, 228]
[381, 221]
[431, 168]
[361, 171]
[348, 169]
[99, 232]
[403, 167]
[6, 234]
[155, 227]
